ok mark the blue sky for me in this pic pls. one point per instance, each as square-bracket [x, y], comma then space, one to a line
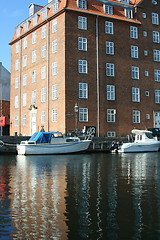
[12, 13]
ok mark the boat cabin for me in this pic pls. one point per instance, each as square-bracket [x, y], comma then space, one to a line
[142, 135]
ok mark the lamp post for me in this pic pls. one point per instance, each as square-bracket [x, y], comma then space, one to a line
[76, 113]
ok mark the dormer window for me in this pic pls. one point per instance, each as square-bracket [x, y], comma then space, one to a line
[34, 20]
[125, 1]
[44, 14]
[18, 31]
[26, 26]
[128, 13]
[82, 4]
[108, 9]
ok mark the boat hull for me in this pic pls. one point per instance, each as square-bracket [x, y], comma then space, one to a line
[40, 149]
[140, 147]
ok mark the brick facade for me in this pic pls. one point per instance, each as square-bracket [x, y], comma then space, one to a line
[68, 77]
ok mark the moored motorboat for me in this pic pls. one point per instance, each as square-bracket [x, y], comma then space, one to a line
[52, 143]
[144, 142]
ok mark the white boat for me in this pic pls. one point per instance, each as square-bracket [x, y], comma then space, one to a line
[144, 142]
[52, 143]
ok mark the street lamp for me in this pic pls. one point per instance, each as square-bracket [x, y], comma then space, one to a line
[76, 112]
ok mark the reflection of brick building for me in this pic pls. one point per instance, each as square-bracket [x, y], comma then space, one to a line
[104, 55]
[5, 98]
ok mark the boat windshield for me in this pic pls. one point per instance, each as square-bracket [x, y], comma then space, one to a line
[149, 135]
[57, 135]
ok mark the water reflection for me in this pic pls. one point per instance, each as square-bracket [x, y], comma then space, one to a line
[88, 196]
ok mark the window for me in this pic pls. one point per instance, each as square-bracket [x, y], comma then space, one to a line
[82, 44]
[136, 116]
[82, 66]
[33, 76]
[144, 33]
[18, 31]
[43, 72]
[34, 38]
[54, 92]
[55, 6]
[111, 114]
[17, 65]
[125, 1]
[34, 56]
[147, 93]
[133, 32]
[43, 95]
[43, 117]
[110, 92]
[134, 51]
[54, 26]
[16, 82]
[147, 116]
[16, 121]
[135, 72]
[54, 68]
[144, 15]
[155, 37]
[145, 53]
[156, 55]
[111, 134]
[82, 23]
[17, 47]
[43, 32]
[24, 79]
[24, 99]
[108, 9]
[25, 61]
[110, 48]
[83, 114]
[109, 27]
[44, 14]
[110, 69]
[157, 75]
[54, 46]
[26, 26]
[82, 4]
[128, 13]
[157, 96]
[135, 95]
[83, 90]
[44, 51]
[24, 120]
[146, 74]
[25, 43]
[34, 20]
[155, 19]
[33, 100]
[54, 115]
[16, 101]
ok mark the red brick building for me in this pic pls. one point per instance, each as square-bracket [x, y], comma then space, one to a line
[102, 55]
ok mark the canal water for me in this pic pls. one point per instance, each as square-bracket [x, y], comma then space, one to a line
[85, 196]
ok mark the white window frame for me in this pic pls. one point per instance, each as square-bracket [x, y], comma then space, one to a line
[25, 43]
[16, 101]
[135, 72]
[16, 121]
[54, 68]
[82, 23]
[135, 94]
[82, 66]
[128, 13]
[24, 99]
[44, 14]
[44, 51]
[155, 18]
[25, 61]
[43, 95]
[156, 75]
[54, 115]
[82, 44]
[108, 27]
[134, 52]
[35, 18]
[111, 92]
[54, 25]
[109, 48]
[83, 114]
[157, 96]
[33, 97]
[83, 90]
[34, 56]
[17, 47]
[24, 120]
[43, 117]
[33, 76]
[110, 69]
[136, 116]
[111, 134]
[43, 72]
[133, 32]
[111, 115]
[16, 82]
[55, 6]
[54, 92]
[34, 34]
[24, 79]
[44, 32]
[156, 37]
[156, 55]
[108, 9]
[17, 64]
[54, 46]
[82, 4]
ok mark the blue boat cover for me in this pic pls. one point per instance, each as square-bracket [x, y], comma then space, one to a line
[41, 137]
